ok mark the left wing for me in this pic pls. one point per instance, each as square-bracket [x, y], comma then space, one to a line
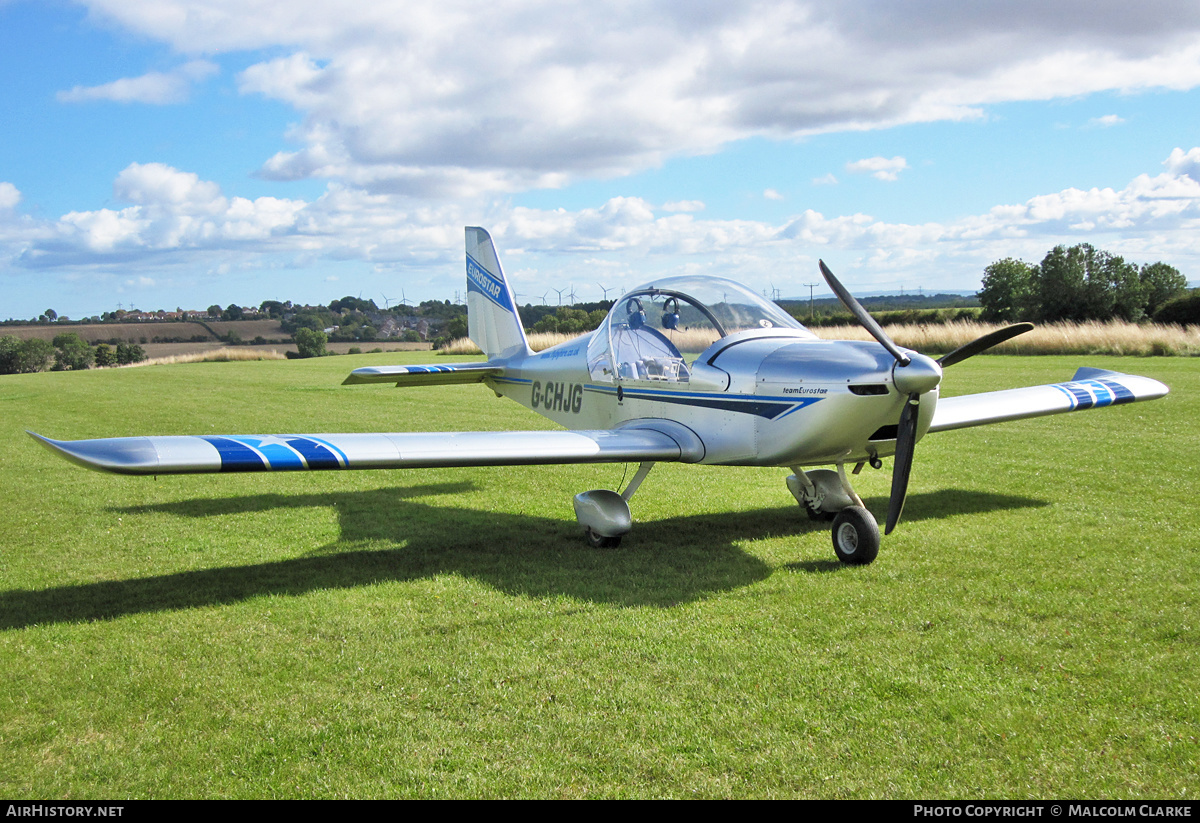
[647, 440]
[1089, 389]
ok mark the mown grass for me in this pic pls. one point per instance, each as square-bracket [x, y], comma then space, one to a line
[1030, 630]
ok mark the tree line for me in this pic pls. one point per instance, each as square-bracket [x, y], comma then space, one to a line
[67, 352]
[1078, 283]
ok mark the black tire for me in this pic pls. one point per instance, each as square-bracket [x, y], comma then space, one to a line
[599, 541]
[855, 536]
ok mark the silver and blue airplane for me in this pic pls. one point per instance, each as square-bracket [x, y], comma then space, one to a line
[763, 391]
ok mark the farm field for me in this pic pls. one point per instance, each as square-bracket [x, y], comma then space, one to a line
[1029, 631]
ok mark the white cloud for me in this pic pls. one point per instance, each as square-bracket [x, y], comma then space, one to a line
[175, 216]
[825, 180]
[10, 196]
[684, 205]
[881, 168]
[1107, 121]
[421, 98]
[157, 183]
[173, 211]
[771, 194]
[1186, 163]
[157, 88]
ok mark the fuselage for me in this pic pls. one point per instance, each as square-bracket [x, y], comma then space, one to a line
[769, 395]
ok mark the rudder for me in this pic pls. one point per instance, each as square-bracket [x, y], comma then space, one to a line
[492, 319]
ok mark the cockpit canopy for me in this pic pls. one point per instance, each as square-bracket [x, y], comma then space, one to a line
[650, 328]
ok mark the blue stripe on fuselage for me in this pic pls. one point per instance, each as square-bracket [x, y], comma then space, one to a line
[769, 407]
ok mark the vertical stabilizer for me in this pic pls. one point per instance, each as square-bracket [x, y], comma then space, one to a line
[492, 319]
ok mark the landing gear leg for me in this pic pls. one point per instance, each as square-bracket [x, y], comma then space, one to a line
[820, 492]
[604, 515]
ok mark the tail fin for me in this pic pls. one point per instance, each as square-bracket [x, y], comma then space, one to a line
[492, 319]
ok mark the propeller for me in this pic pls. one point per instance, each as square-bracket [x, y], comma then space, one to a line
[913, 375]
[983, 344]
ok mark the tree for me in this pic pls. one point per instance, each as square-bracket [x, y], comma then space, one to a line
[1006, 293]
[1161, 283]
[105, 356]
[34, 355]
[129, 353]
[1128, 293]
[307, 320]
[456, 327]
[10, 348]
[310, 343]
[232, 312]
[51, 315]
[1058, 284]
[214, 310]
[1184, 310]
[72, 353]
[353, 304]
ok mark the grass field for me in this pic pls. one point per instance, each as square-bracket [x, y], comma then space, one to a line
[1029, 631]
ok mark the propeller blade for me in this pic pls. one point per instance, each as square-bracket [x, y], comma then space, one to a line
[906, 441]
[860, 314]
[983, 344]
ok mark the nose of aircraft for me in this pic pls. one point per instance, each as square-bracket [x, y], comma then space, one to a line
[919, 375]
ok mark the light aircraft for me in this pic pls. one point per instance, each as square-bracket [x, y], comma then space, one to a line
[764, 391]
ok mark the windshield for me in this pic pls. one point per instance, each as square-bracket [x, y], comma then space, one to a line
[648, 330]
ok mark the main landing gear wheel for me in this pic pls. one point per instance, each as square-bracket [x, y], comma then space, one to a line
[855, 536]
[599, 541]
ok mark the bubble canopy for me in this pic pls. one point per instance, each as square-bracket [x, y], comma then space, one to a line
[643, 335]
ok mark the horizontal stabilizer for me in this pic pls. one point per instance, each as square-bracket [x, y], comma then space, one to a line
[1091, 389]
[439, 375]
[649, 440]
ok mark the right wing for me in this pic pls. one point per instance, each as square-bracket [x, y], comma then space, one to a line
[439, 375]
[1089, 389]
[645, 440]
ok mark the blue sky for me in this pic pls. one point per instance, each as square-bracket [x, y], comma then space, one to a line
[163, 153]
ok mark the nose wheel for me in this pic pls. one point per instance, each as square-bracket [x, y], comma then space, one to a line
[827, 495]
[855, 536]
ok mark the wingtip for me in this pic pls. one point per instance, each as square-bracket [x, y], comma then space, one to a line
[45, 441]
[121, 455]
[60, 448]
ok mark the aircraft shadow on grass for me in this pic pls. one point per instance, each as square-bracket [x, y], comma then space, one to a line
[674, 560]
